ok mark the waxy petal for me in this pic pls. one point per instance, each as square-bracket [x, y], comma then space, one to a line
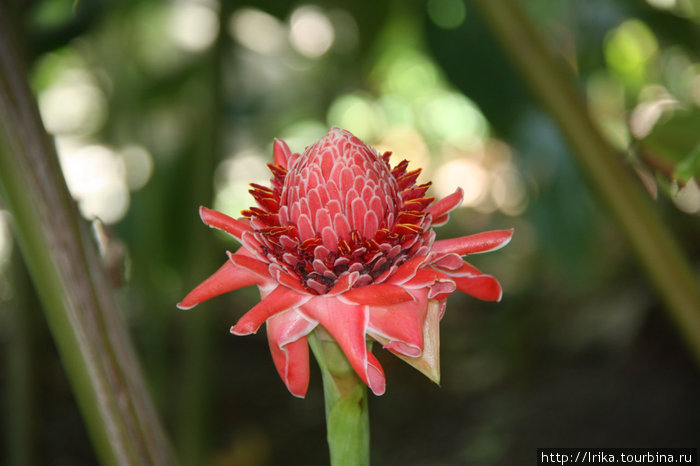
[399, 327]
[483, 287]
[281, 153]
[424, 278]
[344, 283]
[473, 282]
[440, 221]
[290, 282]
[407, 270]
[448, 261]
[446, 204]
[228, 278]
[280, 299]
[474, 244]
[381, 294]
[292, 364]
[347, 323]
[429, 360]
[216, 219]
[286, 334]
[254, 266]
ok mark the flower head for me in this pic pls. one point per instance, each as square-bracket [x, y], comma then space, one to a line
[342, 240]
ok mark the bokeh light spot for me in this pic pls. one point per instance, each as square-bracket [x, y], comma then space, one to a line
[688, 198]
[405, 142]
[138, 163]
[662, 4]
[396, 110]
[298, 135]
[257, 31]
[508, 191]
[232, 179]
[358, 114]
[311, 32]
[452, 117]
[447, 14]
[96, 179]
[464, 173]
[407, 73]
[194, 25]
[73, 104]
[629, 48]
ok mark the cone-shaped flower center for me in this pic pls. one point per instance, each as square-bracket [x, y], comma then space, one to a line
[338, 210]
[337, 186]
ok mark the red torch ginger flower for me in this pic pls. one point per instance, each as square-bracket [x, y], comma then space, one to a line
[344, 241]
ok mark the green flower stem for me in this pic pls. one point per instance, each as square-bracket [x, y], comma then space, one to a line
[64, 264]
[617, 188]
[347, 413]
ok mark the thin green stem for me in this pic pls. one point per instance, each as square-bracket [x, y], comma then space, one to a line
[65, 267]
[347, 413]
[656, 249]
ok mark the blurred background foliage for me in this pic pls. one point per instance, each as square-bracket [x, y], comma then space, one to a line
[159, 107]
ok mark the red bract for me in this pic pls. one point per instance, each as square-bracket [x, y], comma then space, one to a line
[343, 240]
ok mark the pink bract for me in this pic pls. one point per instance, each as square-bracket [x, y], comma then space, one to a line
[342, 240]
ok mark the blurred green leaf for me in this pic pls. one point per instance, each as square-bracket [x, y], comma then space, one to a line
[690, 166]
[673, 146]
[53, 13]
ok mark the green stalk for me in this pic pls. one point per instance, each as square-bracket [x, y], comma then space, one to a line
[347, 413]
[23, 336]
[65, 267]
[656, 249]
